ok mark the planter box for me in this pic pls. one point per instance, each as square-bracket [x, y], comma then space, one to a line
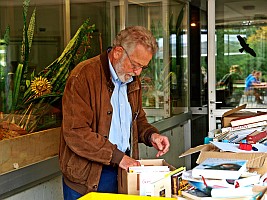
[28, 149]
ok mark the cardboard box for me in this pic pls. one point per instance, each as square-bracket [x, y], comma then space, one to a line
[256, 161]
[128, 183]
[235, 113]
[28, 149]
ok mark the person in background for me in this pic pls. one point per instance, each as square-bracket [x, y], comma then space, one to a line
[250, 75]
[227, 82]
[103, 119]
[228, 79]
[251, 86]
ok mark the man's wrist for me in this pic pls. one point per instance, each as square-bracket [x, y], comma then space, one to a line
[150, 139]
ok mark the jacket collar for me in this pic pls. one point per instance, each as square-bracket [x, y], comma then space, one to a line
[105, 66]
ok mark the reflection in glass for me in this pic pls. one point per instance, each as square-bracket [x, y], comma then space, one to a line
[234, 30]
[165, 82]
[33, 41]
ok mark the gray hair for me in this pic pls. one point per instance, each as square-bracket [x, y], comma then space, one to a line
[133, 35]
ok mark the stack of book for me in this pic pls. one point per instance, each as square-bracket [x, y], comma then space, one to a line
[222, 178]
[246, 130]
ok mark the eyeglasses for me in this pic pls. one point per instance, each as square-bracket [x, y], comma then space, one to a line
[134, 66]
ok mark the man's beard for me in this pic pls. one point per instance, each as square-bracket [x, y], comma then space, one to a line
[119, 69]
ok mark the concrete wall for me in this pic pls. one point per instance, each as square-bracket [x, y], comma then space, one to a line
[50, 190]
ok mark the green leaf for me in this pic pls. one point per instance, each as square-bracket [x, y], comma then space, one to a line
[57, 73]
[28, 83]
[17, 81]
[7, 35]
[31, 29]
[26, 4]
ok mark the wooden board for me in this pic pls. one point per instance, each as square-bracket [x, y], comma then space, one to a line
[28, 149]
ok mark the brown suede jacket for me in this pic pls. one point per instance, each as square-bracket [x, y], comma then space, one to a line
[87, 112]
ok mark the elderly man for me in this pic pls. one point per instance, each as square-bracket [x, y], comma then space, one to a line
[103, 118]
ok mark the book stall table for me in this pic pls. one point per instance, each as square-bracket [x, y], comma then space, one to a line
[229, 145]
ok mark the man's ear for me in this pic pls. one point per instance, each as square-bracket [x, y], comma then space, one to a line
[118, 52]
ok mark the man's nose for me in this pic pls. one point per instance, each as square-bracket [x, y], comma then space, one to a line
[138, 71]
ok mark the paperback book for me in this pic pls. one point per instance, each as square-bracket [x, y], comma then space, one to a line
[246, 179]
[249, 120]
[237, 135]
[155, 184]
[242, 127]
[219, 168]
[232, 192]
[141, 169]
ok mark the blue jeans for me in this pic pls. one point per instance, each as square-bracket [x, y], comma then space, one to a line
[108, 184]
[70, 194]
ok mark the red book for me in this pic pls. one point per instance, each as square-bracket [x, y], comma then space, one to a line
[255, 136]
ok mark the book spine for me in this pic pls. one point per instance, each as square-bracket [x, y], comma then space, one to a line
[246, 126]
[255, 136]
[237, 135]
[213, 133]
[246, 181]
[231, 192]
[220, 137]
[249, 120]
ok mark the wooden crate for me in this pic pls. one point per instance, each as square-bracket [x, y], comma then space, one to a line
[28, 149]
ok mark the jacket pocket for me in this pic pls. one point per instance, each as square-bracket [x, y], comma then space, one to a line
[77, 169]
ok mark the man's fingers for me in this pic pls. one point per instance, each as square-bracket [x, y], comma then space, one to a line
[161, 143]
[127, 162]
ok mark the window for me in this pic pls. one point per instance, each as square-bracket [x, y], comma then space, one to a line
[164, 84]
[234, 31]
[44, 47]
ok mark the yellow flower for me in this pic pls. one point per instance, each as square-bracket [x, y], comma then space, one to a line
[40, 86]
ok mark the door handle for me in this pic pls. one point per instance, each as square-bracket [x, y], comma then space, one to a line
[214, 102]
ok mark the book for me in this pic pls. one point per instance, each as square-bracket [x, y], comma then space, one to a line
[220, 137]
[219, 168]
[242, 134]
[249, 120]
[242, 127]
[198, 195]
[155, 184]
[246, 179]
[255, 136]
[140, 169]
[214, 132]
[160, 188]
[237, 135]
[232, 192]
[195, 194]
[176, 179]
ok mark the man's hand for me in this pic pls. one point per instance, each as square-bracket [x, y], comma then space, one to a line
[127, 162]
[161, 143]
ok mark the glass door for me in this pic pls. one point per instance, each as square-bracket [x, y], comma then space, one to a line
[237, 59]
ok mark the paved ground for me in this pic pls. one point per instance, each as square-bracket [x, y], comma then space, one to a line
[251, 102]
